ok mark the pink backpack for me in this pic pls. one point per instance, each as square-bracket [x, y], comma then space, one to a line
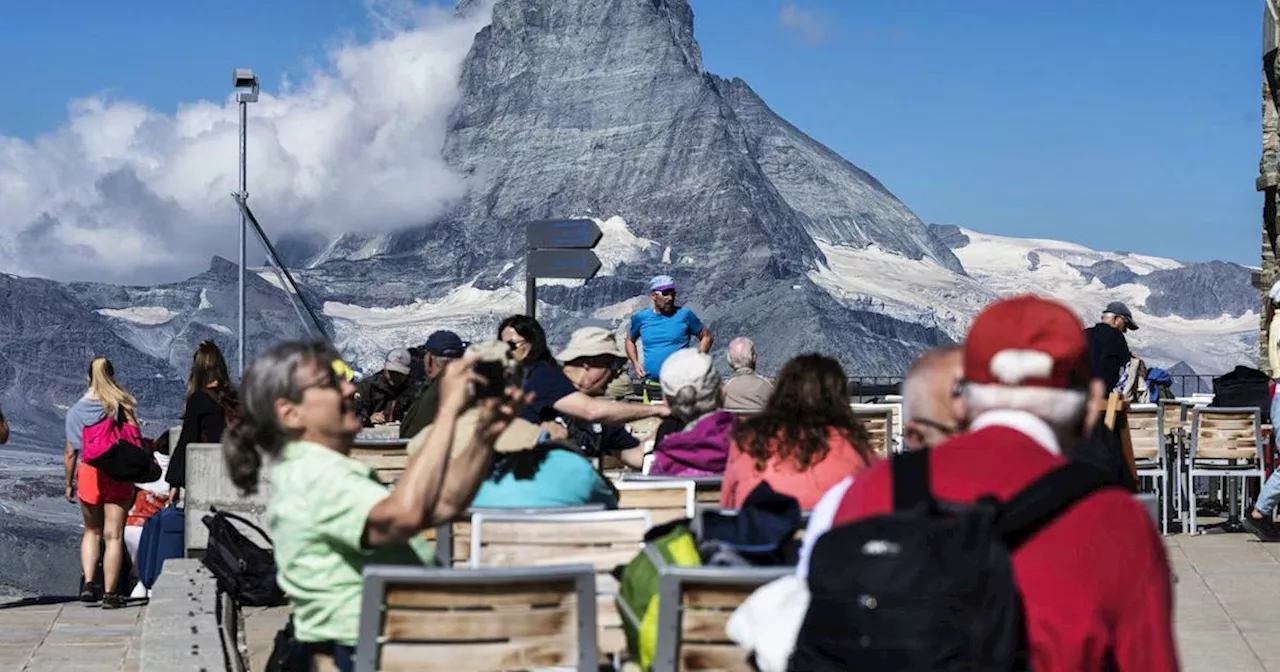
[116, 448]
[98, 438]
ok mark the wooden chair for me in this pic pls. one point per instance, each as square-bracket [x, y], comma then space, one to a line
[706, 489]
[668, 499]
[1151, 461]
[453, 540]
[694, 605]
[1173, 431]
[387, 459]
[878, 419]
[517, 618]
[1225, 443]
[601, 539]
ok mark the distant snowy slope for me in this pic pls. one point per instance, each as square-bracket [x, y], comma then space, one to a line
[1212, 325]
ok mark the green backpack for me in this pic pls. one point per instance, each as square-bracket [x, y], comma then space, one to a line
[638, 588]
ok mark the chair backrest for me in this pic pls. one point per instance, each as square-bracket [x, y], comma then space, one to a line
[1173, 415]
[388, 459]
[706, 489]
[453, 540]
[1144, 431]
[668, 500]
[1226, 434]
[602, 539]
[878, 419]
[506, 618]
[694, 605]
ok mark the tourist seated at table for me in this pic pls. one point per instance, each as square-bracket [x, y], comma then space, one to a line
[805, 440]
[692, 388]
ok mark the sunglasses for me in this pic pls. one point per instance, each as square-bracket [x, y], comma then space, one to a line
[666, 292]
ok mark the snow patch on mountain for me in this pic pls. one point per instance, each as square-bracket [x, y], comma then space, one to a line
[365, 335]
[923, 291]
[140, 315]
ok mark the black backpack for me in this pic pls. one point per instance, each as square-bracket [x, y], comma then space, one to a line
[929, 586]
[1244, 387]
[244, 570]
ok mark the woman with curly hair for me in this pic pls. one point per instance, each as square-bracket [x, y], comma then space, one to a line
[805, 440]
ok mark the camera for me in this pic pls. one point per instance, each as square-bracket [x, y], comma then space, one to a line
[497, 366]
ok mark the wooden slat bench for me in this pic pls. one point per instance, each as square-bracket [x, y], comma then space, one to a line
[509, 618]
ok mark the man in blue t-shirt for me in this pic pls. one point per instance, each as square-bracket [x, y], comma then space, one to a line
[663, 330]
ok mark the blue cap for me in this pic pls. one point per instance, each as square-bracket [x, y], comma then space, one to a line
[661, 282]
[445, 344]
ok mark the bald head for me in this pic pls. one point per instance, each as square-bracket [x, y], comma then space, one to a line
[930, 410]
[742, 353]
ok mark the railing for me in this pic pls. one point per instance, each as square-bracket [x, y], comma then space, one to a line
[866, 388]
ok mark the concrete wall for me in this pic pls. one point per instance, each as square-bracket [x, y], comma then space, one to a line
[208, 484]
[180, 624]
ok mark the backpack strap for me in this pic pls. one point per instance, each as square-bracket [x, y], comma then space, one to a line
[1046, 498]
[231, 516]
[910, 471]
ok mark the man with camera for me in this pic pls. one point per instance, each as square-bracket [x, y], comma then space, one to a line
[441, 348]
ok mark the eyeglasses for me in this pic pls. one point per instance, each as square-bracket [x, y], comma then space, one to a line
[332, 377]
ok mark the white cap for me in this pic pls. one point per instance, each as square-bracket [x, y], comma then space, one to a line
[398, 360]
[689, 368]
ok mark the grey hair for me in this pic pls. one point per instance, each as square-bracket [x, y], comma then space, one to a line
[257, 432]
[742, 353]
[689, 403]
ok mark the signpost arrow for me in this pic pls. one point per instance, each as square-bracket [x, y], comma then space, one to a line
[578, 234]
[568, 264]
[559, 248]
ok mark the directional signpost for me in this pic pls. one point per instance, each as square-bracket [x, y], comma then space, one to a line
[558, 248]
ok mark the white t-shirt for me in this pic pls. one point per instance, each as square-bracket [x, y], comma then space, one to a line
[820, 519]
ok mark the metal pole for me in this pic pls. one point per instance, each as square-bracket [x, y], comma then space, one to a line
[244, 193]
[530, 291]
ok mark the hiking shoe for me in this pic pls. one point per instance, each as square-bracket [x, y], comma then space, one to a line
[1262, 528]
[112, 601]
[89, 594]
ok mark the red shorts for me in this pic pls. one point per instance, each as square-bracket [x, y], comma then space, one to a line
[95, 488]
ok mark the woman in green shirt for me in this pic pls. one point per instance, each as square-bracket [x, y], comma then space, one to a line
[328, 513]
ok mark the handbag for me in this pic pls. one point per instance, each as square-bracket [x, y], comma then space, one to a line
[114, 447]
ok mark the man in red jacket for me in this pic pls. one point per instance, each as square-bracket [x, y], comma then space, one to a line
[1095, 581]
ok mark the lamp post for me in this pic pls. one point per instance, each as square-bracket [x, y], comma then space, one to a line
[246, 85]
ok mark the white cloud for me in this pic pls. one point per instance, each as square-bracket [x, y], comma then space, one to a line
[808, 25]
[122, 193]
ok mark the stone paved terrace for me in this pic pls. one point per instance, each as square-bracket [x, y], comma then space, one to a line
[1228, 604]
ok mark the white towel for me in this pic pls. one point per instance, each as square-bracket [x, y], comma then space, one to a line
[769, 621]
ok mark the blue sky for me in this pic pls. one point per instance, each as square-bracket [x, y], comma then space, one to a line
[1121, 125]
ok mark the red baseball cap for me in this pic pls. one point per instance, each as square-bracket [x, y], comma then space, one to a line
[1027, 341]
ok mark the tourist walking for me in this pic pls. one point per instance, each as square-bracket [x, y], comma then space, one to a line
[104, 501]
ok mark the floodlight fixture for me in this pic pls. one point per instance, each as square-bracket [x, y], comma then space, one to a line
[246, 85]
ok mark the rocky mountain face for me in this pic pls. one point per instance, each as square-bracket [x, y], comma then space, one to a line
[604, 109]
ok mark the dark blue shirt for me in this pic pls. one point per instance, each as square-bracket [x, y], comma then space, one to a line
[549, 385]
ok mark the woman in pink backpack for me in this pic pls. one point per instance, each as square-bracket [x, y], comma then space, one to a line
[104, 501]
